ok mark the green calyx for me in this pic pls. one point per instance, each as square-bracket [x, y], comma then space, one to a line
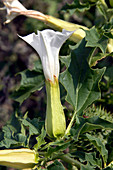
[55, 119]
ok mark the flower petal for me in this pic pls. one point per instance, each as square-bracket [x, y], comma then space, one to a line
[37, 42]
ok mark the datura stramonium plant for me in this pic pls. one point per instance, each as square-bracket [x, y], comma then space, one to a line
[47, 43]
[18, 158]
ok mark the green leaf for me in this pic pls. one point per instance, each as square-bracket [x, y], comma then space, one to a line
[95, 39]
[76, 6]
[40, 139]
[84, 125]
[99, 146]
[14, 133]
[109, 73]
[56, 166]
[34, 125]
[15, 122]
[65, 60]
[20, 137]
[56, 147]
[102, 9]
[87, 167]
[38, 66]
[31, 81]
[99, 56]
[89, 157]
[8, 131]
[79, 80]
[12, 138]
[7, 143]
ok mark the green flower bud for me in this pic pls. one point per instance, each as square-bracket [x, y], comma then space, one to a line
[18, 158]
[59, 24]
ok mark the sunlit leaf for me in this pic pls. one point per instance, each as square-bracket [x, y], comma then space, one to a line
[79, 80]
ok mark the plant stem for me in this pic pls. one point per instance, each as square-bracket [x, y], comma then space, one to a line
[104, 165]
[104, 3]
[70, 124]
[71, 161]
[64, 158]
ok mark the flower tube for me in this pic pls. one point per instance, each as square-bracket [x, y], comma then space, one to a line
[47, 44]
[18, 158]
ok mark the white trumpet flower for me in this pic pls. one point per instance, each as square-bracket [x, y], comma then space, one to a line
[47, 44]
[15, 8]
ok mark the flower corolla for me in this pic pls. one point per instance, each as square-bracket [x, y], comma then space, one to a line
[47, 43]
